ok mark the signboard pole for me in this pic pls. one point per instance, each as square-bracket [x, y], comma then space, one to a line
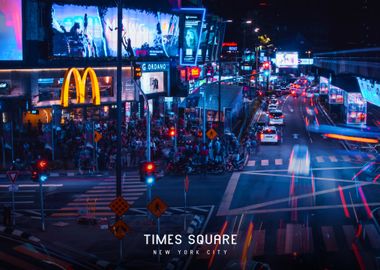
[3, 150]
[184, 210]
[175, 137]
[42, 206]
[13, 206]
[12, 140]
[158, 243]
[204, 116]
[96, 157]
[52, 142]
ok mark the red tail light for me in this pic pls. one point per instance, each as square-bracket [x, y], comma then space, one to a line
[282, 116]
[271, 116]
[261, 136]
[277, 137]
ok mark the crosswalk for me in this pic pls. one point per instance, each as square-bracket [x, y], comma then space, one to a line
[314, 160]
[96, 200]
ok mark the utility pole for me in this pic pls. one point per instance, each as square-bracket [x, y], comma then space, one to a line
[118, 97]
[221, 37]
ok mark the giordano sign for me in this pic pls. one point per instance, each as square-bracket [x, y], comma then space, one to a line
[154, 66]
[80, 86]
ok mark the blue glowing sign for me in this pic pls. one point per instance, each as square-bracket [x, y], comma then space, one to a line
[370, 90]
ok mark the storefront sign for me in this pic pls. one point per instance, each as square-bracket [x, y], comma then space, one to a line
[151, 67]
[370, 90]
[80, 86]
[191, 27]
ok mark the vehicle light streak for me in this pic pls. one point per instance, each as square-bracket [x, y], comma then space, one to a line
[217, 245]
[364, 200]
[358, 257]
[351, 138]
[376, 177]
[247, 243]
[344, 203]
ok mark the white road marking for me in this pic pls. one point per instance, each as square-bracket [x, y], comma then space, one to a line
[333, 159]
[278, 161]
[319, 159]
[346, 158]
[264, 162]
[251, 163]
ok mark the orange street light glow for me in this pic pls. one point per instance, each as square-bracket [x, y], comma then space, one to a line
[351, 138]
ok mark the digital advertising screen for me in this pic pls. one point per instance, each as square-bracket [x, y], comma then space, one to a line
[144, 34]
[152, 82]
[78, 31]
[370, 90]
[11, 30]
[210, 40]
[336, 95]
[323, 86]
[192, 24]
[287, 59]
[91, 31]
[203, 44]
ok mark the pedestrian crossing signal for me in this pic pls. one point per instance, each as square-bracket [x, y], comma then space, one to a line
[137, 72]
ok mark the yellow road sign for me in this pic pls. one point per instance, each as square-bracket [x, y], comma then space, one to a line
[211, 133]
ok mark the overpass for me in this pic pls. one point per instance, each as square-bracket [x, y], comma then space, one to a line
[359, 62]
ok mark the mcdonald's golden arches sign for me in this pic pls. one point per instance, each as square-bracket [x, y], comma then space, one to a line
[80, 86]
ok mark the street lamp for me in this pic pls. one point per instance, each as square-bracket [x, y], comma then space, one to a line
[256, 30]
[248, 22]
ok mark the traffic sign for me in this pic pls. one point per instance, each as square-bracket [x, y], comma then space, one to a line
[211, 133]
[157, 207]
[97, 136]
[119, 229]
[119, 206]
[12, 175]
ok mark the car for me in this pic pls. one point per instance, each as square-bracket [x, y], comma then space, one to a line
[272, 107]
[260, 123]
[276, 117]
[369, 172]
[299, 162]
[269, 134]
[309, 94]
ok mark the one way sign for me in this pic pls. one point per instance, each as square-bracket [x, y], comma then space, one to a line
[12, 175]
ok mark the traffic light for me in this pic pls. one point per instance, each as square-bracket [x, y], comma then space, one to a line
[137, 72]
[148, 172]
[39, 171]
[266, 68]
[172, 132]
[42, 164]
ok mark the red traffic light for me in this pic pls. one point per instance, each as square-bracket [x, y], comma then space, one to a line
[149, 167]
[266, 65]
[172, 132]
[42, 164]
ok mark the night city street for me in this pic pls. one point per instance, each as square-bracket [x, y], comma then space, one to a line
[189, 134]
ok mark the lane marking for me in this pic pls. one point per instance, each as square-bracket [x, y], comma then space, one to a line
[264, 162]
[251, 163]
[346, 158]
[333, 159]
[319, 159]
[278, 161]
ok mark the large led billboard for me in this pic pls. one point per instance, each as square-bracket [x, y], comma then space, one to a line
[10, 30]
[91, 31]
[370, 90]
[287, 59]
[152, 82]
[192, 24]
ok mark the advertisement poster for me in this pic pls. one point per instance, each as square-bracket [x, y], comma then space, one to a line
[370, 90]
[91, 31]
[203, 44]
[210, 40]
[287, 59]
[192, 32]
[10, 30]
[152, 82]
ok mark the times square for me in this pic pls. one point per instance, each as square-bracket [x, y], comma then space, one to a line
[189, 134]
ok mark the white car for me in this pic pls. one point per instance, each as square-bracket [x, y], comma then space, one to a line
[276, 117]
[269, 134]
[299, 163]
[272, 107]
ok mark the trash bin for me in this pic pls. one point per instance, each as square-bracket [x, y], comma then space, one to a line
[7, 216]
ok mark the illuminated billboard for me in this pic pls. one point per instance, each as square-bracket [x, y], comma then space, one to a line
[91, 31]
[323, 86]
[370, 90]
[152, 82]
[10, 30]
[287, 59]
[192, 24]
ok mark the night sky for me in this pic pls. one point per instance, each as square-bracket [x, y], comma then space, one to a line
[319, 25]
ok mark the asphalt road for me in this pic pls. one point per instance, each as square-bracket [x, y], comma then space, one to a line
[300, 222]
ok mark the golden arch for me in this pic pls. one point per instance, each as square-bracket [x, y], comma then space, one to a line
[80, 86]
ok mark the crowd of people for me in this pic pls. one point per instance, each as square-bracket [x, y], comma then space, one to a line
[74, 146]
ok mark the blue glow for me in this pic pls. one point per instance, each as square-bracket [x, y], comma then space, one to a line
[43, 177]
[149, 180]
[203, 10]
